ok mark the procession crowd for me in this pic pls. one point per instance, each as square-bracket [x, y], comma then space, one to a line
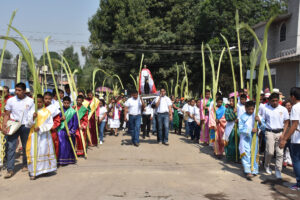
[230, 126]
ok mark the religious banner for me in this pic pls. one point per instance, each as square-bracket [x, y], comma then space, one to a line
[146, 82]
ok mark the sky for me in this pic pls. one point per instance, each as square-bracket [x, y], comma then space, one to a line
[64, 20]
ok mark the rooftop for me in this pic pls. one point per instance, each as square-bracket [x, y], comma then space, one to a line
[278, 19]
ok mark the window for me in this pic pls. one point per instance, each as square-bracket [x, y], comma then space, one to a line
[283, 32]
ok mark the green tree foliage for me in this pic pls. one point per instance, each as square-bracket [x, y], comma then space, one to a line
[54, 55]
[72, 58]
[7, 54]
[170, 31]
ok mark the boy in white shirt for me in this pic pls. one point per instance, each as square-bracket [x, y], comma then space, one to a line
[277, 120]
[191, 113]
[147, 118]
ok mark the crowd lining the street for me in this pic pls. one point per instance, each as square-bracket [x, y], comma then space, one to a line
[232, 129]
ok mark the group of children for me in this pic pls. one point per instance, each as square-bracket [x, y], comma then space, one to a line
[58, 132]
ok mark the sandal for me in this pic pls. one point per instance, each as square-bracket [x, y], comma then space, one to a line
[9, 174]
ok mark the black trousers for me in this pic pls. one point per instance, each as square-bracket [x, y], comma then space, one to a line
[146, 124]
[180, 124]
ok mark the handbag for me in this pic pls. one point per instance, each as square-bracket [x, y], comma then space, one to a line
[13, 125]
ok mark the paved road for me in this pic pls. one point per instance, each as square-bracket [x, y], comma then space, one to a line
[117, 170]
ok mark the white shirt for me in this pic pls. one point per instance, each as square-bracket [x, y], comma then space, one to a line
[191, 110]
[54, 110]
[148, 110]
[55, 103]
[164, 104]
[116, 114]
[134, 106]
[197, 114]
[295, 116]
[261, 109]
[275, 117]
[71, 96]
[240, 110]
[19, 108]
[185, 107]
[102, 111]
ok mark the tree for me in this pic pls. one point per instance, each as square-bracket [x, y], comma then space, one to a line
[7, 54]
[72, 58]
[44, 60]
[170, 31]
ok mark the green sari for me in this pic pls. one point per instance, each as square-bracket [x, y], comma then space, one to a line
[230, 150]
[176, 117]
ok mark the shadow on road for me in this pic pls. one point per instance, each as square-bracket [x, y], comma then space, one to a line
[145, 141]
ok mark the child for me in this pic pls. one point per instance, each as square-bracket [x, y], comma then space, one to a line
[46, 160]
[247, 131]
[83, 122]
[66, 155]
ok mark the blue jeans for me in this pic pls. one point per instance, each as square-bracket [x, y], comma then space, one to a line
[163, 121]
[134, 128]
[23, 132]
[154, 124]
[187, 128]
[295, 154]
[101, 130]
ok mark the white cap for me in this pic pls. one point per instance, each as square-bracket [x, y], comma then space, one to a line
[1, 88]
[267, 95]
[11, 91]
[27, 90]
[276, 90]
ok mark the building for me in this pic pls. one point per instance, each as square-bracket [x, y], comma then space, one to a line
[283, 48]
[8, 76]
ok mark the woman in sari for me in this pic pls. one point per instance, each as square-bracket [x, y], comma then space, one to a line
[231, 146]
[176, 108]
[205, 104]
[217, 123]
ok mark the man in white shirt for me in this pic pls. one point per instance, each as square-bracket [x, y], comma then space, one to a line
[164, 115]
[17, 109]
[294, 134]
[134, 107]
[277, 121]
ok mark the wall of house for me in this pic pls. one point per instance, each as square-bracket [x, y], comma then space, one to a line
[286, 76]
[294, 7]
[290, 45]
